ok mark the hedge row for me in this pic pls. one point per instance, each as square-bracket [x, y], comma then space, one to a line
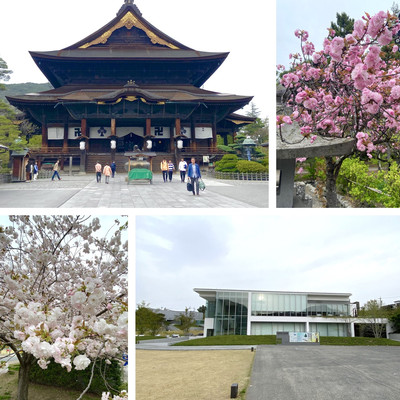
[55, 375]
[231, 163]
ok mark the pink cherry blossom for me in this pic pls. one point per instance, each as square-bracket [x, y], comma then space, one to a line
[373, 59]
[376, 23]
[371, 100]
[395, 92]
[346, 90]
[336, 48]
[311, 103]
[359, 29]
[386, 37]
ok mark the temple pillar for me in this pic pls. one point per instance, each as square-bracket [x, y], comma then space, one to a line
[84, 132]
[45, 137]
[113, 127]
[148, 127]
[177, 133]
[193, 144]
[113, 137]
[65, 141]
[214, 136]
[82, 166]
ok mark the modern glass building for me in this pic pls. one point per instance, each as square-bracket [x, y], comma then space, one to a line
[243, 312]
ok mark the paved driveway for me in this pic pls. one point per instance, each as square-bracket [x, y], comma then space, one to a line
[84, 192]
[325, 373]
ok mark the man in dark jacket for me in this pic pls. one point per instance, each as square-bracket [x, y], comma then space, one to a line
[194, 175]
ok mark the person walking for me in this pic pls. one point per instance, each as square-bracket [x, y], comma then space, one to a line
[28, 175]
[107, 172]
[171, 169]
[164, 169]
[113, 169]
[194, 175]
[97, 168]
[55, 171]
[35, 171]
[182, 169]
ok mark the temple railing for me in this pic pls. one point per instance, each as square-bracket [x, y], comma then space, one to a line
[202, 150]
[55, 150]
[241, 176]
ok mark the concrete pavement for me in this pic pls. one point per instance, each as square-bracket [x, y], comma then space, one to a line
[325, 373]
[166, 344]
[82, 191]
[313, 372]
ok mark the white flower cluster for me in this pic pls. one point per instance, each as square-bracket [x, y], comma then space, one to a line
[122, 396]
[89, 298]
[51, 333]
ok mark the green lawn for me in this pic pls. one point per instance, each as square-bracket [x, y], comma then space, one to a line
[357, 341]
[229, 340]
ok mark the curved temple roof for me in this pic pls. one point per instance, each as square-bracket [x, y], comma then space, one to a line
[132, 46]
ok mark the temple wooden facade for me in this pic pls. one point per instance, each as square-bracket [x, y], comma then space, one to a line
[129, 84]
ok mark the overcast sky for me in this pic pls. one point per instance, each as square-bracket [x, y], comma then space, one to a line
[315, 16]
[245, 29]
[319, 253]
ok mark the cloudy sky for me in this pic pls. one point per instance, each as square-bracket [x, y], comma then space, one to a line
[246, 30]
[315, 16]
[346, 254]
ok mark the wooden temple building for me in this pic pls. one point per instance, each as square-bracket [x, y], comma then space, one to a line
[129, 86]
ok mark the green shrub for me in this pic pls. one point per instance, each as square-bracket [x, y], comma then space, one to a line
[373, 189]
[227, 163]
[227, 149]
[55, 375]
[250, 166]
[264, 161]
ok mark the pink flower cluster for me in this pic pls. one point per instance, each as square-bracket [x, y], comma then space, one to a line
[371, 100]
[364, 143]
[347, 89]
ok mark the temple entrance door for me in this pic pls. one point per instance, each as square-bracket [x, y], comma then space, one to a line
[160, 145]
[131, 140]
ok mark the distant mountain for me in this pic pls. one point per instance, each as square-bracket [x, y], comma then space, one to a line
[14, 89]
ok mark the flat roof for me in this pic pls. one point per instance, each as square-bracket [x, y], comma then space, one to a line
[208, 293]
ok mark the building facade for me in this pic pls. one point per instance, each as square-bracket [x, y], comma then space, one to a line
[129, 86]
[244, 312]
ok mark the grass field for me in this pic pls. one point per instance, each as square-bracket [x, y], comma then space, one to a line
[183, 375]
[229, 340]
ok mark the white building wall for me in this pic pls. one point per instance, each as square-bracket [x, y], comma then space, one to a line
[208, 324]
[249, 314]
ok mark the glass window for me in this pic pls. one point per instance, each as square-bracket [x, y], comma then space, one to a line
[231, 313]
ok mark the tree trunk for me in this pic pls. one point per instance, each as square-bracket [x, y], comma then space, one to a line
[331, 176]
[23, 376]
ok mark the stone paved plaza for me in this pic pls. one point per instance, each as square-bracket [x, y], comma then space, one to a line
[83, 191]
